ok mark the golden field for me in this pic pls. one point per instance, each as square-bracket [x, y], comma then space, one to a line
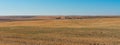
[96, 31]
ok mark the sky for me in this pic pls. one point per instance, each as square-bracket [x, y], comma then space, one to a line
[59, 7]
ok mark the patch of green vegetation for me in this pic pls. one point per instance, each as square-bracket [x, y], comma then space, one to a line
[64, 35]
[67, 32]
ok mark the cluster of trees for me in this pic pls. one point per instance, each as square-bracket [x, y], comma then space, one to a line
[68, 17]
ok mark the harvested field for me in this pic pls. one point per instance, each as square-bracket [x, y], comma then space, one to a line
[98, 31]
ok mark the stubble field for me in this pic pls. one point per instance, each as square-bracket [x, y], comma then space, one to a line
[98, 31]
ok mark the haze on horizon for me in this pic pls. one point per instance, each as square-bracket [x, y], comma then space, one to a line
[59, 7]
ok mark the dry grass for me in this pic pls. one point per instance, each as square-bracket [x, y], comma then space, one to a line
[100, 31]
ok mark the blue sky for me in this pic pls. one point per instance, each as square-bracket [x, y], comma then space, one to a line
[59, 7]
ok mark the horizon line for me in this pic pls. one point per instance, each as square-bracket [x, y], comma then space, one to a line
[57, 15]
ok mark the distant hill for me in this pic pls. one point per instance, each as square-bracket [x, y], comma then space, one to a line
[18, 18]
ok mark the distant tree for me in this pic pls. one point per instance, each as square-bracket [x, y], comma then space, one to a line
[58, 18]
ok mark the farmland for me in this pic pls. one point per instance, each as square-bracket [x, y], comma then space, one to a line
[93, 31]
